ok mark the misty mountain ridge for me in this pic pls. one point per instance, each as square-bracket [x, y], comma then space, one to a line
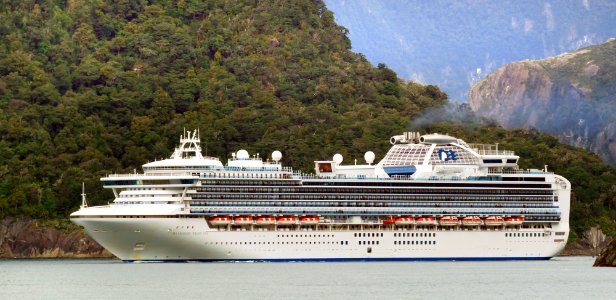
[572, 96]
[456, 44]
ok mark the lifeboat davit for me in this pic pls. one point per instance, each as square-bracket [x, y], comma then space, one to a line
[514, 220]
[401, 221]
[425, 220]
[265, 220]
[220, 220]
[471, 221]
[287, 220]
[242, 220]
[449, 221]
[494, 221]
[309, 220]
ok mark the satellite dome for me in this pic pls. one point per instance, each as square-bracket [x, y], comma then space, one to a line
[338, 158]
[369, 157]
[242, 154]
[276, 156]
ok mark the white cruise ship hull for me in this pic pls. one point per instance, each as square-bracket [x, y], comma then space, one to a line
[190, 239]
[412, 205]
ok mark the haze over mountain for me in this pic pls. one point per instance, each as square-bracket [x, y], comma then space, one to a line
[572, 95]
[454, 44]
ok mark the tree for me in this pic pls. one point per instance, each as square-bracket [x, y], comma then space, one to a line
[163, 107]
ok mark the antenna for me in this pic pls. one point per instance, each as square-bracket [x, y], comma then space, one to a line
[84, 203]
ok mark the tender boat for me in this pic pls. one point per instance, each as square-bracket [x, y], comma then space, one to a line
[265, 220]
[389, 221]
[309, 220]
[401, 221]
[471, 221]
[513, 221]
[425, 220]
[242, 220]
[449, 221]
[494, 221]
[220, 220]
[287, 220]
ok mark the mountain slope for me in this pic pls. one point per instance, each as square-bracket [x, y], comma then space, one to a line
[572, 95]
[91, 87]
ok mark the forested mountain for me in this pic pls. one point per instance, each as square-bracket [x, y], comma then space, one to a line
[92, 87]
[453, 44]
[572, 96]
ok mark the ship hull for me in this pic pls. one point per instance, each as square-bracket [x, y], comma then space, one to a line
[191, 239]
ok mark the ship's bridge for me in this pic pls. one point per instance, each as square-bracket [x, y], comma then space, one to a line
[187, 156]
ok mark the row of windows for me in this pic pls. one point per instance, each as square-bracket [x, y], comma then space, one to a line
[305, 235]
[374, 192]
[414, 242]
[412, 234]
[368, 242]
[543, 218]
[352, 204]
[368, 234]
[365, 199]
[244, 175]
[524, 234]
[151, 195]
[251, 182]
[416, 184]
[284, 243]
[540, 215]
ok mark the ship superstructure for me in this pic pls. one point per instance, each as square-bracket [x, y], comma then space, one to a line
[432, 197]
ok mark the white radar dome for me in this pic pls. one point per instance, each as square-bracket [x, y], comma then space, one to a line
[276, 156]
[369, 157]
[337, 158]
[242, 154]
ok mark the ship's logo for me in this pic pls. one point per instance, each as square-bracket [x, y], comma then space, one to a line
[447, 155]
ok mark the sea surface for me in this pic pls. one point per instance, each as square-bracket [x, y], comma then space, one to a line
[560, 278]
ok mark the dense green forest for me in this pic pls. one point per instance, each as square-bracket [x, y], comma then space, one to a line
[93, 87]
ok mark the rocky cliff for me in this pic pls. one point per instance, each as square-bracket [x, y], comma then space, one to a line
[607, 257]
[590, 243]
[25, 238]
[572, 95]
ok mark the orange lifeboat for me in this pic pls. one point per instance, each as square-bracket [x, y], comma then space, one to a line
[309, 220]
[471, 221]
[426, 220]
[449, 221]
[220, 220]
[389, 221]
[514, 220]
[401, 221]
[287, 220]
[494, 221]
[242, 220]
[265, 220]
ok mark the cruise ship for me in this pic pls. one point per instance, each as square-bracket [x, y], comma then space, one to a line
[431, 197]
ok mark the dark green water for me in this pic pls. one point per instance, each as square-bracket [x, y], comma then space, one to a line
[559, 278]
